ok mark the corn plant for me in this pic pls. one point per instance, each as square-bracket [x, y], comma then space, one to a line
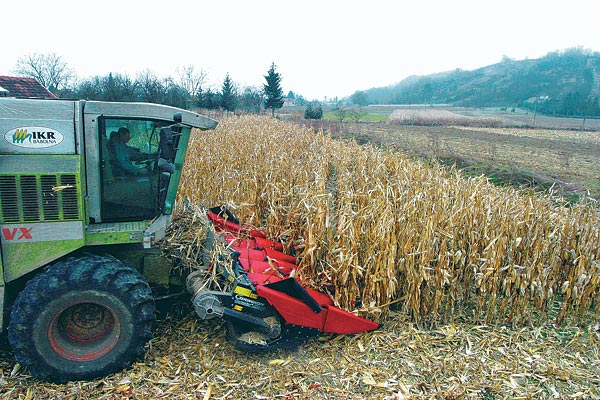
[370, 224]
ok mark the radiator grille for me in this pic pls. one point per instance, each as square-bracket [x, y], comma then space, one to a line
[39, 198]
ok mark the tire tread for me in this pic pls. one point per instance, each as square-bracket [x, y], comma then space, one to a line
[90, 272]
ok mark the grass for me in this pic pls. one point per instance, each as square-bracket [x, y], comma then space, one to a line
[364, 118]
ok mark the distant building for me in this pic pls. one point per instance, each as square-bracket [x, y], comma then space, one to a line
[23, 88]
[287, 102]
[536, 99]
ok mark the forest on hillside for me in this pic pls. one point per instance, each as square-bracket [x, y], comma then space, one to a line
[562, 83]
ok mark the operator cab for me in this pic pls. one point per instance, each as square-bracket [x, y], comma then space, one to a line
[129, 166]
[134, 155]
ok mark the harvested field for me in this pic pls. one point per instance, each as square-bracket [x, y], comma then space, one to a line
[189, 359]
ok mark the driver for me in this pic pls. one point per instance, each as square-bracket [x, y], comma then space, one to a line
[125, 155]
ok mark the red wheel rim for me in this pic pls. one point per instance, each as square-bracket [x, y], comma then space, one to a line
[84, 331]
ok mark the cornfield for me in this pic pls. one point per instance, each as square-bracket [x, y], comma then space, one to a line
[378, 231]
[440, 117]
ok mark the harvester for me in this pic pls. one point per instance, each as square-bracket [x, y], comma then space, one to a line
[87, 188]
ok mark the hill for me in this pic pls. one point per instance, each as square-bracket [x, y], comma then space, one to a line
[561, 83]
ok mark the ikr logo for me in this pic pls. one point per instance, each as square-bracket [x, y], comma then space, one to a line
[34, 137]
[20, 135]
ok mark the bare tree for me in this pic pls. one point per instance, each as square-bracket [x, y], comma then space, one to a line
[356, 114]
[191, 81]
[251, 99]
[151, 88]
[48, 69]
[117, 87]
[341, 114]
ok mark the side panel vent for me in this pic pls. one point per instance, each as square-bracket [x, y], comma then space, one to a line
[39, 198]
[9, 199]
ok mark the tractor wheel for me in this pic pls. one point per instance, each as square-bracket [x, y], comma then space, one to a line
[81, 318]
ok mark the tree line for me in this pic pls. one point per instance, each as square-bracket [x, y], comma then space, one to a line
[562, 83]
[188, 89]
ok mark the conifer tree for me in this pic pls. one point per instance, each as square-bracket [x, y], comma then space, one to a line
[272, 89]
[228, 95]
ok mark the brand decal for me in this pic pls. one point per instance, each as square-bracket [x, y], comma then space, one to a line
[34, 137]
[41, 232]
[17, 233]
[239, 300]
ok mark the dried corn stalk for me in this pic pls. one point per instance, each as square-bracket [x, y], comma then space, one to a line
[370, 224]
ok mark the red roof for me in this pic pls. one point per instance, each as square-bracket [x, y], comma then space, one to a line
[27, 88]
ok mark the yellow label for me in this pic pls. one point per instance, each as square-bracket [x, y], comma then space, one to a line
[238, 307]
[242, 291]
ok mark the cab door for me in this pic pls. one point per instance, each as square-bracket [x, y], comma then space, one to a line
[129, 171]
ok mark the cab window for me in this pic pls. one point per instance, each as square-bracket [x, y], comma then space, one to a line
[129, 171]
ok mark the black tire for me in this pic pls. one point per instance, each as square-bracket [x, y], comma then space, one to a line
[82, 318]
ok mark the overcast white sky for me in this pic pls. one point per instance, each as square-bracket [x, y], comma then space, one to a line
[321, 47]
